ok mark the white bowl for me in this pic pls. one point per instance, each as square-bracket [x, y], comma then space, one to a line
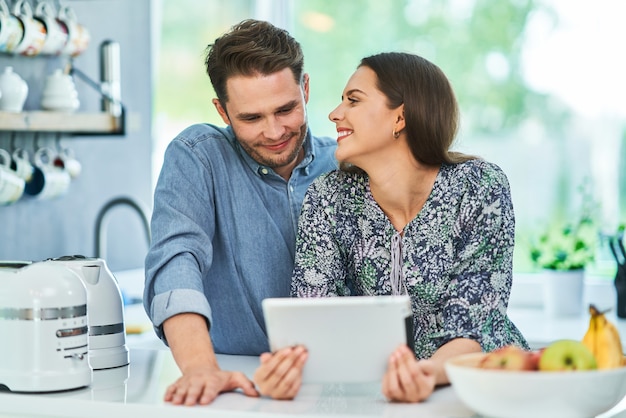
[523, 394]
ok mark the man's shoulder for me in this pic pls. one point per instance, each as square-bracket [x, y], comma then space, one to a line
[205, 135]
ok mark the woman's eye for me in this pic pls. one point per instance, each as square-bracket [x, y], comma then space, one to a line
[352, 100]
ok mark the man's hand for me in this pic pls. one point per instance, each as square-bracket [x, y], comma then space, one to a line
[280, 374]
[201, 385]
[202, 380]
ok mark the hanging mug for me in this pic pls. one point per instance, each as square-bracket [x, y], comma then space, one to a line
[20, 163]
[77, 35]
[65, 160]
[48, 180]
[11, 185]
[34, 31]
[11, 31]
[56, 32]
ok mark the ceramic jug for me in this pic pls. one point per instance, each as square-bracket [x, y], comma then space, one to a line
[14, 91]
[60, 93]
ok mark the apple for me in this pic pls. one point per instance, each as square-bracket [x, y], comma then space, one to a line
[509, 357]
[566, 354]
[535, 356]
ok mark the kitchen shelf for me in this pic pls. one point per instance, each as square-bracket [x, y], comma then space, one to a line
[79, 123]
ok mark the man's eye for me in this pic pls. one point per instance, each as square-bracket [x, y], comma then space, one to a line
[285, 111]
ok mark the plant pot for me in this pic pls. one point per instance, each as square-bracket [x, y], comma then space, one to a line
[563, 292]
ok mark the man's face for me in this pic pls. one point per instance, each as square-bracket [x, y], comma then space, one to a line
[268, 115]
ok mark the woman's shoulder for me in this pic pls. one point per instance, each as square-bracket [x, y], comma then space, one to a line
[478, 172]
[338, 185]
[341, 180]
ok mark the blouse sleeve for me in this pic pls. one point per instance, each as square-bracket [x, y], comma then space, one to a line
[319, 269]
[482, 273]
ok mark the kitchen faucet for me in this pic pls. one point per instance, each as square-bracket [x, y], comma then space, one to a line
[100, 232]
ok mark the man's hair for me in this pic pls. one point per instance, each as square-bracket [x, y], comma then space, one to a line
[248, 48]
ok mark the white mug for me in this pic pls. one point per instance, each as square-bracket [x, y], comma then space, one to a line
[48, 181]
[11, 31]
[11, 185]
[78, 35]
[20, 163]
[56, 32]
[34, 35]
[66, 160]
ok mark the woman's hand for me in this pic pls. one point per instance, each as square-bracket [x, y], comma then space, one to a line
[280, 374]
[408, 379]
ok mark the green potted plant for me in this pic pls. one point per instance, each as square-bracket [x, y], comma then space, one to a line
[566, 247]
[562, 251]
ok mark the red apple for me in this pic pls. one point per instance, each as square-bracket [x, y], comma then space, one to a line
[535, 356]
[509, 357]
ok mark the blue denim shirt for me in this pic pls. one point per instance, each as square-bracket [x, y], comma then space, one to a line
[223, 234]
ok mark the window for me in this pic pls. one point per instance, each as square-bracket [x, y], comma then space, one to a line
[539, 82]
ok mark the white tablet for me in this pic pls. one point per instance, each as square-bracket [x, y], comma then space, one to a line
[349, 339]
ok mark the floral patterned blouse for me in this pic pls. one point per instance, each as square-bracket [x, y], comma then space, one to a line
[455, 257]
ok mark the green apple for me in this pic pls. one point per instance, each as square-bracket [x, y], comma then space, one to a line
[567, 355]
[509, 357]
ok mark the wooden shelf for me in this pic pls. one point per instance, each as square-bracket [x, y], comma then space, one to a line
[79, 123]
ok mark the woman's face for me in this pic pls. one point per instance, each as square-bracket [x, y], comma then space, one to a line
[364, 123]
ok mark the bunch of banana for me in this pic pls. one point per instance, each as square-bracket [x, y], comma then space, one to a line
[602, 339]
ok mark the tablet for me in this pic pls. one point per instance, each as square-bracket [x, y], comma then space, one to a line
[349, 338]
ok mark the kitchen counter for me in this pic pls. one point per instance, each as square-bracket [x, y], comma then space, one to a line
[137, 390]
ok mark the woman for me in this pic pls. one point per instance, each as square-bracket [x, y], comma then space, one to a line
[405, 215]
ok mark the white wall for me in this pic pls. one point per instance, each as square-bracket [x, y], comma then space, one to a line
[112, 165]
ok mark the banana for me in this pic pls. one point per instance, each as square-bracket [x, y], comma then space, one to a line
[603, 340]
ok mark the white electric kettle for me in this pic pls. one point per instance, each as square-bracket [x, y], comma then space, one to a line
[107, 333]
[43, 328]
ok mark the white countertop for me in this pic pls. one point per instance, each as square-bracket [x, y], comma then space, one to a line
[137, 390]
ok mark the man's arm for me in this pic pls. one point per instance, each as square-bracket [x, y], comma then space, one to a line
[202, 379]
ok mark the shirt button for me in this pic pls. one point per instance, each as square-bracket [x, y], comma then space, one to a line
[291, 189]
[264, 170]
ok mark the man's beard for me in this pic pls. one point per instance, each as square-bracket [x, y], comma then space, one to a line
[281, 161]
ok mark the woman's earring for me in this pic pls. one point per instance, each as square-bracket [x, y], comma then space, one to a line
[395, 134]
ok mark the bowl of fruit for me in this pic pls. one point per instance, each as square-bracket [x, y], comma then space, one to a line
[567, 378]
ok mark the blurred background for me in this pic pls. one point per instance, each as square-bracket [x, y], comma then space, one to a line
[540, 85]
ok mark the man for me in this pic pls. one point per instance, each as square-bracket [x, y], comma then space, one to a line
[226, 207]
